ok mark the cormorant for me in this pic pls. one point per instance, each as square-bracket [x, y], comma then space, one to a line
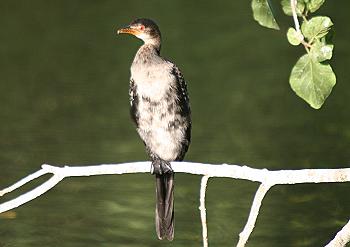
[161, 111]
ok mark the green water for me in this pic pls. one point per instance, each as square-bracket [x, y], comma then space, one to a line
[64, 100]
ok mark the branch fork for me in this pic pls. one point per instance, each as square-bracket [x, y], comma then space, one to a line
[265, 177]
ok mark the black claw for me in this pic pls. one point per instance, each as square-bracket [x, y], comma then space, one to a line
[156, 167]
[166, 168]
[161, 167]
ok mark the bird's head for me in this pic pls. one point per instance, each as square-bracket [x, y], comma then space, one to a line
[144, 29]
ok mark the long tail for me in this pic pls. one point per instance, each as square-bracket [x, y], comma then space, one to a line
[165, 206]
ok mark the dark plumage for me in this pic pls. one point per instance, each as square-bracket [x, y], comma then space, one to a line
[161, 111]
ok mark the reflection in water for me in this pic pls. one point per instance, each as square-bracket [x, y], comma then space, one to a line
[63, 96]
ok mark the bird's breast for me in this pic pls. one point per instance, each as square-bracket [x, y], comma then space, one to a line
[160, 124]
[152, 81]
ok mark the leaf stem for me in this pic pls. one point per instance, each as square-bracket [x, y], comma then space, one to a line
[304, 17]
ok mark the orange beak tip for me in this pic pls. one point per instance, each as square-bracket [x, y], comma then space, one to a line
[128, 30]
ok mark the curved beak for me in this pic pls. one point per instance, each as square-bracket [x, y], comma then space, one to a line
[128, 30]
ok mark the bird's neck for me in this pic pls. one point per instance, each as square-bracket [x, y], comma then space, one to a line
[147, 52]
[154, 43]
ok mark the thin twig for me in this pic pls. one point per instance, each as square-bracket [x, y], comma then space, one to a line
[342, 237]
[253, 215]
[203, 210]
[23, 181]
[293, 5]
[31, 195]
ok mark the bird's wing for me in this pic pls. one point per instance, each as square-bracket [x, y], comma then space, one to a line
[185, 109]
[133, 102]
[182, 90]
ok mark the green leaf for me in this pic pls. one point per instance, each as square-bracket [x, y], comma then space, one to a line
[312, 81]
[263, 14]
[314, 5]
[293, 36]
[316, 27]
[321, 51]
[328, 38]
[288, 10]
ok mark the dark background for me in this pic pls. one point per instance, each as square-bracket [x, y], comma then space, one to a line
[64, 100]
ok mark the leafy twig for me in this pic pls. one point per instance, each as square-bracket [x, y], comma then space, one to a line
[293, 4]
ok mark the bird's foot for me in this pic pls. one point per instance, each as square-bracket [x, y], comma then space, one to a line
[161, 167]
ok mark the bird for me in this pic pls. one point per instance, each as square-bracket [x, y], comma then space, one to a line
[160, 108]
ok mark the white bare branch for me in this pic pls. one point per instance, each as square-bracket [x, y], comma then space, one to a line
[342, 237]
[265, 177]
[293, 5]
[253, 215]
[203, 210]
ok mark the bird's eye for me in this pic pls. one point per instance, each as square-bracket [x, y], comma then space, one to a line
[142, 27]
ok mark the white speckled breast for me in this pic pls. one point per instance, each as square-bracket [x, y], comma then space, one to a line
[153, 79]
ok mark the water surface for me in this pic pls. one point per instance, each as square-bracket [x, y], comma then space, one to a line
[64, 100]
